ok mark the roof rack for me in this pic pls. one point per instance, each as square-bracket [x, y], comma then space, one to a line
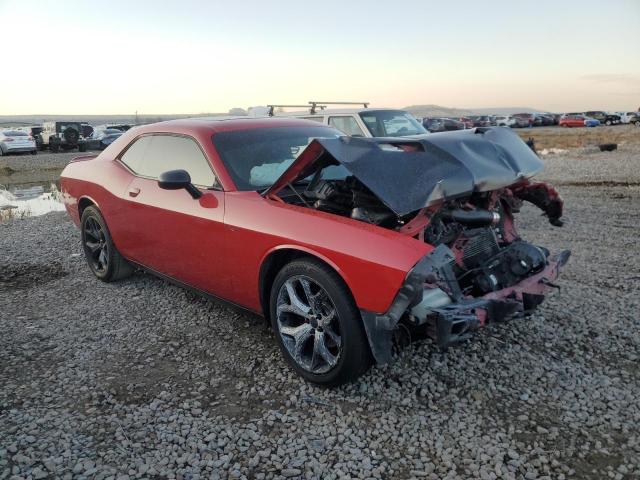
[272, 107]
[323, 105]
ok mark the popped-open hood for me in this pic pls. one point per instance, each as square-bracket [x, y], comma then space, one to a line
[444, 165]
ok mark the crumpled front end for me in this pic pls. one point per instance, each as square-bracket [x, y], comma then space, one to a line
[480, 270]
[456, 192]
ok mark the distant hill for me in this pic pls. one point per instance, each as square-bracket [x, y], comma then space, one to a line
[17, 120]
[505, 110]
[439, 111]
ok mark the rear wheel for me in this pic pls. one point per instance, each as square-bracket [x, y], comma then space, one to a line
[34, 152]
[103, 258]
[317, 324]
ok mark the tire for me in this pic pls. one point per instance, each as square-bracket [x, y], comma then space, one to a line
[1, 152]
[72, 136]
[101, 254]
[351, 354]
[82, 147]
[34, 152]
[637, 123]
[608, 123]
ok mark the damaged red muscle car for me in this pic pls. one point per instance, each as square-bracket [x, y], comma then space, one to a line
[338, 241]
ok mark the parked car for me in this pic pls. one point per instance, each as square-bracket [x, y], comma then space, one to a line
[481, 121]
[635, 119]
[62, 136]
[442, 124]
[506, 121]
[626, 117]
[35, 132]
[544, 120]
[16, 141]
[101, 139]
[604, 117]
[86, 130]
[337, 241]
[576, 120]
[524, 119]
[467, 121]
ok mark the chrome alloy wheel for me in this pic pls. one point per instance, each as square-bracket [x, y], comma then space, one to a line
[309, 324]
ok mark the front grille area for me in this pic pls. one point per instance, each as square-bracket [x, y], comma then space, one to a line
[482, 245]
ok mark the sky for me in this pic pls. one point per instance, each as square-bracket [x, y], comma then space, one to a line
[117, 57]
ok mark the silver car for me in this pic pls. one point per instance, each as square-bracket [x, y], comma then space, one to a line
[14, 141]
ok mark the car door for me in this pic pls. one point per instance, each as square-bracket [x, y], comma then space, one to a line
[169, 231]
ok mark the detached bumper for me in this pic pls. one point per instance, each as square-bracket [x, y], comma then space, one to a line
[455, 322]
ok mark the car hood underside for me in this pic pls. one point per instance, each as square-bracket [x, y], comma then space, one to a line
[407, 174]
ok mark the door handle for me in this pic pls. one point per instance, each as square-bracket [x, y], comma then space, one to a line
[133, 192]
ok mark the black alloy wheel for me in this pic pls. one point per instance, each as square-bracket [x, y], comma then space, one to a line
[103, 258]
[95, 246]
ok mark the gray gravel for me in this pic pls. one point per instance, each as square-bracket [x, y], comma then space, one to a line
[43, 160]
[141, 379]
[22, 170]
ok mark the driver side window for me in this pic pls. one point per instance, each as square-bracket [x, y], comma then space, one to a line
[151, 155]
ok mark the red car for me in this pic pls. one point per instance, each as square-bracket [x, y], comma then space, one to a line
[337, 241]
[468, 123]
[576, 120]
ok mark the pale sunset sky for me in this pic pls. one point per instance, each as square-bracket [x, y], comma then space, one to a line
[189, 56]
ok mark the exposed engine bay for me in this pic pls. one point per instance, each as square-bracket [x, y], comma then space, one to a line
[457, 192]
[489, 255]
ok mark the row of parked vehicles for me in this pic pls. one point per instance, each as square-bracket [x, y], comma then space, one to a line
[526, 120]
[357, 122]
[57, 136]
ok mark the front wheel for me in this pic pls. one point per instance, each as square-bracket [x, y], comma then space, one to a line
[103, 258]
[317, 324]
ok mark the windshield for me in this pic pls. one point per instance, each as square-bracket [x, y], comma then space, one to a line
[14, 133]
[391, 123]
[255, 159]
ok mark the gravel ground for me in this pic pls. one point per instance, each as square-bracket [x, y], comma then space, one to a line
[43, 160]
[560, 137]
[590, 166]
[27, 169]
[142, 379]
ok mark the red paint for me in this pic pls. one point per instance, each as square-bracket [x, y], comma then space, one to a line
[571, 121]
[218, 242]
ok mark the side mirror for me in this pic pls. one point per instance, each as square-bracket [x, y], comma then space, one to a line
[176, 180]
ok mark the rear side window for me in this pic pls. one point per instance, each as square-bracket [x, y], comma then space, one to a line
[15, 133]
[347, 125]
[134, 155]
[152, 155]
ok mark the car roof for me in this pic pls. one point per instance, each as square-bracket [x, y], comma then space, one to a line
[336, 111]
[211, 125]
